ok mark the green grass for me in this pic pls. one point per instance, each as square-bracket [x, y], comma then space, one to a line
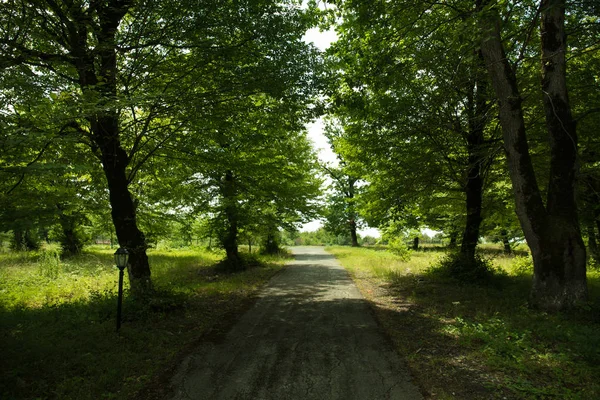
[467, 341]
[57, 320]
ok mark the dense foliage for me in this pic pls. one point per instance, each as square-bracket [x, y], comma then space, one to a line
[162, 110]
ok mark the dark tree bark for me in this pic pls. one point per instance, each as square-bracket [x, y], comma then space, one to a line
[271, 245]
[104, 126]
[231, 214]
[477, 104]
[453, 239]
[415, 245]
[18, 242]
[347, 185]
[353, 235]
[114, 163]
[24, 240]
[350, 192]
[505, 242]
[71, 244]
[87, 31]
[552, 230]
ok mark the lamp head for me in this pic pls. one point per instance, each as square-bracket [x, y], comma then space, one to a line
[121, 257]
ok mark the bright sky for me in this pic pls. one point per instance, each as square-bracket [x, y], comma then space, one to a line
[322, 40]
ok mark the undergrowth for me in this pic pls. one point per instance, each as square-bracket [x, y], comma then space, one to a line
[456, 265]
[465, 341]
[57, 319]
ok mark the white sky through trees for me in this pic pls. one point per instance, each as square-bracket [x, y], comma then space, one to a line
[322, 40]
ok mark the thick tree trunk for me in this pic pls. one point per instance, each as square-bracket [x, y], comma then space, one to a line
[231, 214]
[353, 235]
[18, 243]
[271, 244]
[474, 195]
[24, 240]
[552, 231]
[453, 240]
[474, 190]
[97, 71]
[505, 242]
[477, 108]
[70, 242]
[114, 163]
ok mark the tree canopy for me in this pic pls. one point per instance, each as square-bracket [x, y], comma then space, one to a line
[471, 118]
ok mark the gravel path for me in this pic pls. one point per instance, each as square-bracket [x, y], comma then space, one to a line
[311, 335]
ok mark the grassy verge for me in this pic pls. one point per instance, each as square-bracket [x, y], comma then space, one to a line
[480, 342]
[57, 320]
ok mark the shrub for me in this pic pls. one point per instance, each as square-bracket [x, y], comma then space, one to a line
[49, 263]
[522, 265]
[457, 266]
[397, 247]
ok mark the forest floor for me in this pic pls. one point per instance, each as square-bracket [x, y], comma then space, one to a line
[479, 341]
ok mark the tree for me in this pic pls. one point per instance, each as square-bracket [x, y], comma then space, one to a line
[551, 229]
[134, 78]
[257, 167]
[420, 127]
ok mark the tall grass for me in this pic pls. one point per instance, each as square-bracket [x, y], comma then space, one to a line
[57, 319]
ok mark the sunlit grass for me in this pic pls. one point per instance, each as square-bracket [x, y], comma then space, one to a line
[57, 319]
[382, 263]
[462, 339]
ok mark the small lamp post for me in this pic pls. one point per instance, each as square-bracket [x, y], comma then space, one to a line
[121, 258]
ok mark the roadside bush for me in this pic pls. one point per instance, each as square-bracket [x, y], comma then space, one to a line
[522, 265]
[456, 266]
[397, 247]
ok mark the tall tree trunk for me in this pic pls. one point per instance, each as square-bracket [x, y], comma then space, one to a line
[350, 192]
[70, 243]
[474, 195]
[18, 243]
[552, 231]
[353, 235]
[97, 70]
[415, 245]
[477, 108]
[271, 243]
[505, 242]
[25, 240]
[474, 190]
[453, 239]
[231, 214]
[114, 163]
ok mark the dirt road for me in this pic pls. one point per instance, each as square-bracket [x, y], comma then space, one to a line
[311, 335]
